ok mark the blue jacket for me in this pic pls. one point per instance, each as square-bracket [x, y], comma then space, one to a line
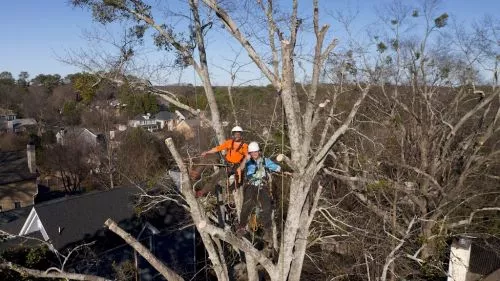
[256, 170]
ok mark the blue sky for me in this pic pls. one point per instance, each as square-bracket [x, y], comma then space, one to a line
[34, 33]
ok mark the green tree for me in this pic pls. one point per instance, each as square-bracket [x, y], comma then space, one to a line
[49, 81]
[137, 102]
[71, 113]
[85, 84]
[22, 79]
[6, 78]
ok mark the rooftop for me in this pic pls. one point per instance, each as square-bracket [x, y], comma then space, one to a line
[14, 167]
[162, 115]
[72, 219]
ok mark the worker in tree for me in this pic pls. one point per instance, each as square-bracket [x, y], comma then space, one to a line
[256, 190]
[236, 150]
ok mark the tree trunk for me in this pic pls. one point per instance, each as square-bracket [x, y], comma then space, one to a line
[252, 272]
[429, 246]
[198, 215]
[300, 245]
[289, 237]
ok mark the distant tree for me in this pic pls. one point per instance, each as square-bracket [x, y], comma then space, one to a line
[23, 79]
[10, 94]
[71, 113]
[137, 102]
[144, 164]
[49, 81]
[34, 104]
[70, 162]
[6, 78]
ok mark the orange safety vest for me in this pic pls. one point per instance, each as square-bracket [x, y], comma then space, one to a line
[236, 151]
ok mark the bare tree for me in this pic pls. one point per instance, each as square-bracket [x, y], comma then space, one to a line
[424, 161]
[307, 157]
[70, 162]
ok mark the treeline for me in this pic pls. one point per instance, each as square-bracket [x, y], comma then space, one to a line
[57, 101]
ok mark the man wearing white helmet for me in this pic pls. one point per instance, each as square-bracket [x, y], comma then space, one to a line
[256, 190]
[236, 150]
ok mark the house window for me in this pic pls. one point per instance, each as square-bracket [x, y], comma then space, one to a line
[17, 205]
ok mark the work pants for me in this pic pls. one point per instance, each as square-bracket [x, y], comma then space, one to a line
[256, 196]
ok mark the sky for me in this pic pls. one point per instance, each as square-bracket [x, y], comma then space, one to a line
[36, 34]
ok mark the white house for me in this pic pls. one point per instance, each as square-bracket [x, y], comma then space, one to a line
[155, 122]
[77, 135]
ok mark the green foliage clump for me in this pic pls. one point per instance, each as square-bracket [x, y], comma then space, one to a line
[36, 255]
[137, 102]
[441, 21]
[381, 47]
[378, 185]
[124, 271]
[36, 258]
[71, 112]
[48, 81]
[84, 84]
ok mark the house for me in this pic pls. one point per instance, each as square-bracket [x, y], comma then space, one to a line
[11, 221]
[154, 122]
[19, 125]
[11, 124]
[473, 259]
[67, 222]
[18, 178]
[7, 115]
[78, 136]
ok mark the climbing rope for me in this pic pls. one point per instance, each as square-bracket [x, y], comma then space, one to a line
[270, 126]
[282, 182]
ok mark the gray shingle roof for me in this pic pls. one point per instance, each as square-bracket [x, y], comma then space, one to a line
[165, 115]
[11, 221]
[14, 167]
[82, 217]
[484, 256]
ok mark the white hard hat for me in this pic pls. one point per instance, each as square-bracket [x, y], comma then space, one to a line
[236, 129]
[253, 147]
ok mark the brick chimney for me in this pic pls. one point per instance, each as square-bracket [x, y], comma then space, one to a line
[30, 150]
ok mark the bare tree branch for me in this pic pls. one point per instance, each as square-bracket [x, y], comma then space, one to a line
[165, 271]
[43, 274]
